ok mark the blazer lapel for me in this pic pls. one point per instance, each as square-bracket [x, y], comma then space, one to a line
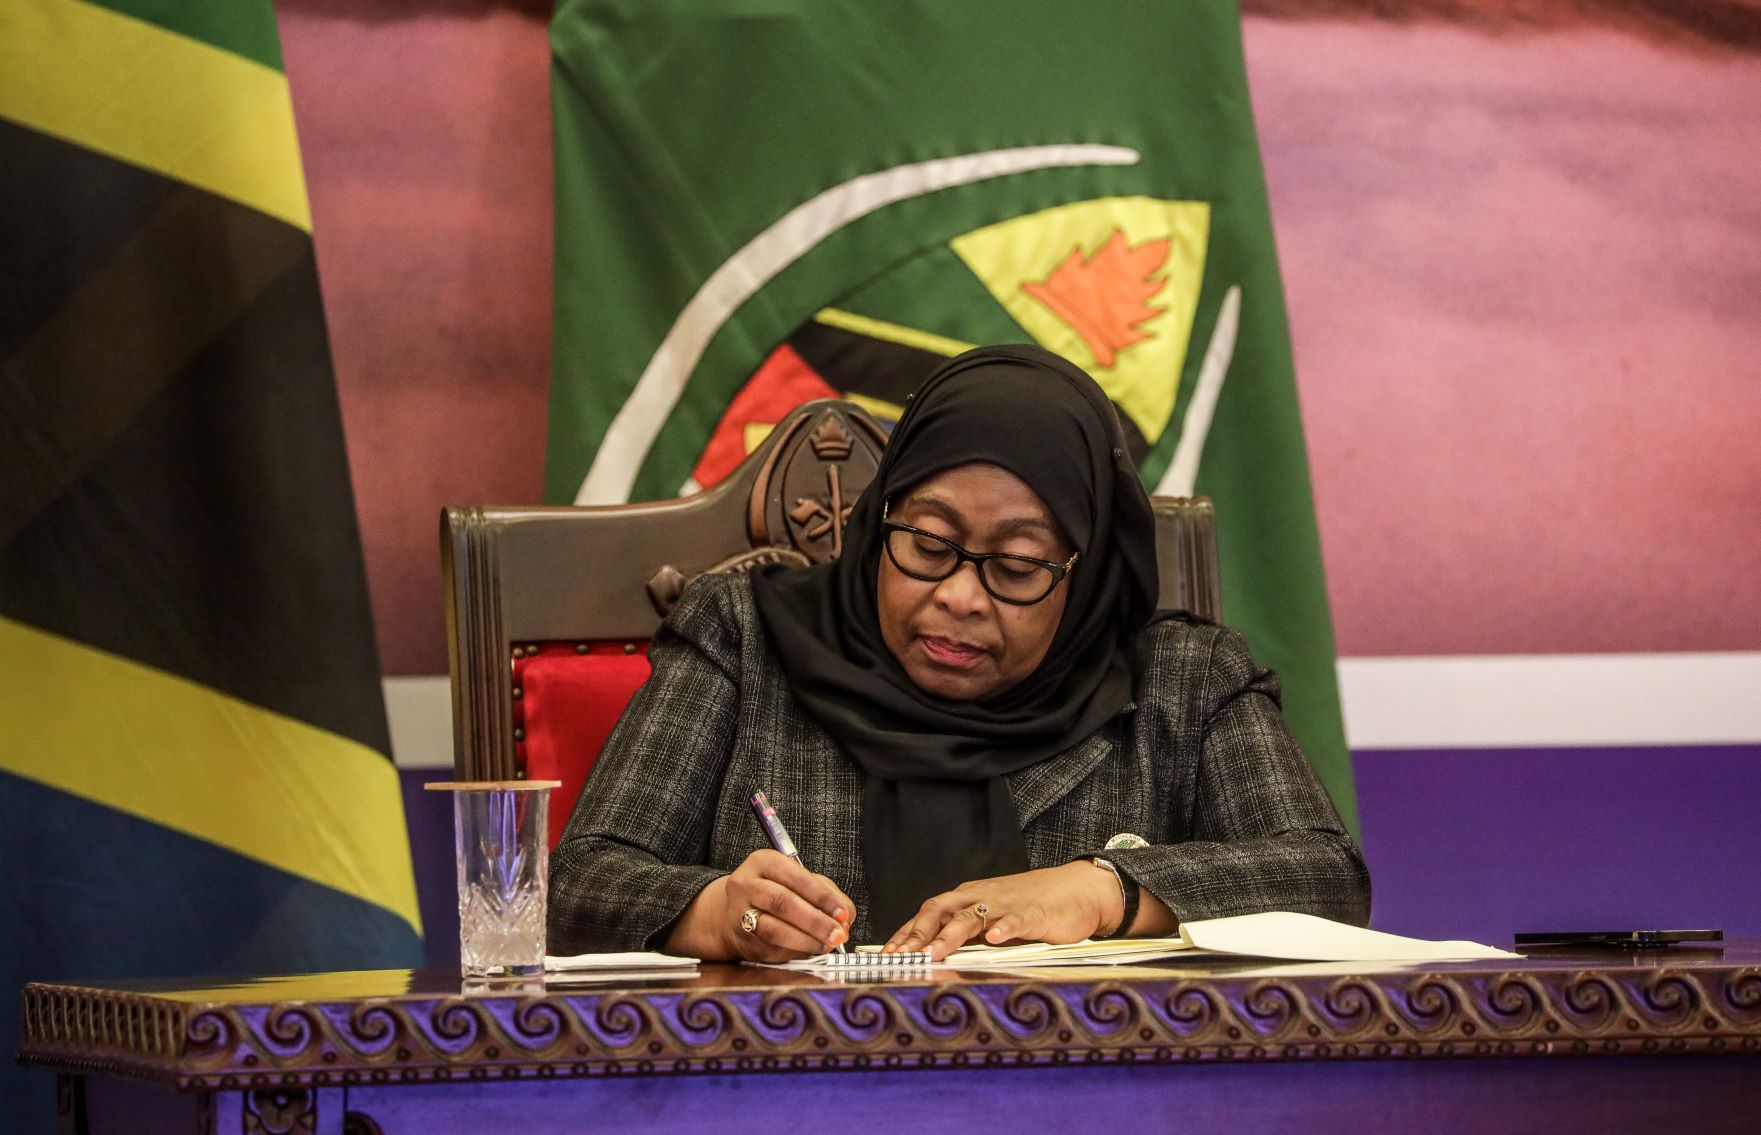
[1037, 787]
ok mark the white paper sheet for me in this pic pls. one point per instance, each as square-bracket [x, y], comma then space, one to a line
[1305, 938]
[635, 960]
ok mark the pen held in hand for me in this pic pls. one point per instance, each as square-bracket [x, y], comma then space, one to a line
[777, 833]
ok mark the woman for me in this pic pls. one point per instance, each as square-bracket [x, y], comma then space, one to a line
[956, 720]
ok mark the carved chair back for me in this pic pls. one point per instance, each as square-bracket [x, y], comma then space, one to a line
[549, 609]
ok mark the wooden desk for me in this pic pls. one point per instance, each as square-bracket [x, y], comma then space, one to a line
[1603, 1041]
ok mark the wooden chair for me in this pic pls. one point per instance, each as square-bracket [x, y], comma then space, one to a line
[549, 610]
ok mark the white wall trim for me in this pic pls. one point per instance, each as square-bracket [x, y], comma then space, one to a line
[1522, 700]
[419, 710]
[1472, 702]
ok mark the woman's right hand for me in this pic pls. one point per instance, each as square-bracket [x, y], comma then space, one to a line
[799, 913]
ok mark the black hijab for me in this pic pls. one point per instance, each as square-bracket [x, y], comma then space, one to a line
[935, 808]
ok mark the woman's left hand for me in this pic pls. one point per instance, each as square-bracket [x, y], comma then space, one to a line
[1055, 904]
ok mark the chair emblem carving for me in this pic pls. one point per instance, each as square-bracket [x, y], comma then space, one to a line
[800, 500]
[805, 491]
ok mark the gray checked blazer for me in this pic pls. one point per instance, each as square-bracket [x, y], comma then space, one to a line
[1201, 764]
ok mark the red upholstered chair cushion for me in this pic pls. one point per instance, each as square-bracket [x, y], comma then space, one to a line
[567, 698]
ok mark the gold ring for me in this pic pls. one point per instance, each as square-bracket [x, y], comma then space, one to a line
[983, 913]
[749, 920]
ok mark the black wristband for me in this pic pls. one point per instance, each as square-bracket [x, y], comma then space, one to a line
[1128, 891]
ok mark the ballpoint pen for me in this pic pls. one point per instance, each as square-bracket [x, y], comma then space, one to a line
[777, 833]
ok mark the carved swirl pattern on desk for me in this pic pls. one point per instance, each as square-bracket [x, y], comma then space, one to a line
[1433, 1007]
[1589, 1002]
[1029, 1014]
[918, 1024]
[1110, 1009]
[1742, 996]
[1269, 1008]
[373, 1026]
[1514, 1004]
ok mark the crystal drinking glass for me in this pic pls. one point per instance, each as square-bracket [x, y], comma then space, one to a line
[502, 854]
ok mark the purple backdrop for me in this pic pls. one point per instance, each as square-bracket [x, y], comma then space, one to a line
[1487, 842]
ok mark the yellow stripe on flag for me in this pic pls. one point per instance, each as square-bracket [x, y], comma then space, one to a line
[877, 407]
[155, 99]
[891, 332]
[176, 753]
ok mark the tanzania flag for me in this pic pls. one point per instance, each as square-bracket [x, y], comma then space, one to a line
[760, 206]
[193, 769]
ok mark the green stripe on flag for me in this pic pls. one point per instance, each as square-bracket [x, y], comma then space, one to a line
[243, 27]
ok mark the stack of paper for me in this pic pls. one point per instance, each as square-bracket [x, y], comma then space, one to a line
[1273, 934]
[1305, 938]
[1113, 952]
[617, 967]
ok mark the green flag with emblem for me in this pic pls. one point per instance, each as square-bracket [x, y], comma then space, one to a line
[759, 205]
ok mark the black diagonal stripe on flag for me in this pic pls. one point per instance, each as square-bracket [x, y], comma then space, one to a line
[103, 342]
[64, 212]
[178, 494]
[855, 363]
[862, 364]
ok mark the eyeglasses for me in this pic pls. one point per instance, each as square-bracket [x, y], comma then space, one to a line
[1009, 578]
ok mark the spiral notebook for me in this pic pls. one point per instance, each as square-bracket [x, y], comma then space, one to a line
[864, 959]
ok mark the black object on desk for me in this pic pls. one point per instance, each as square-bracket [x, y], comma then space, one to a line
[1624, 939]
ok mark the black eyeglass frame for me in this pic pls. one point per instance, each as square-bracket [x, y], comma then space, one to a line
[977, 559]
